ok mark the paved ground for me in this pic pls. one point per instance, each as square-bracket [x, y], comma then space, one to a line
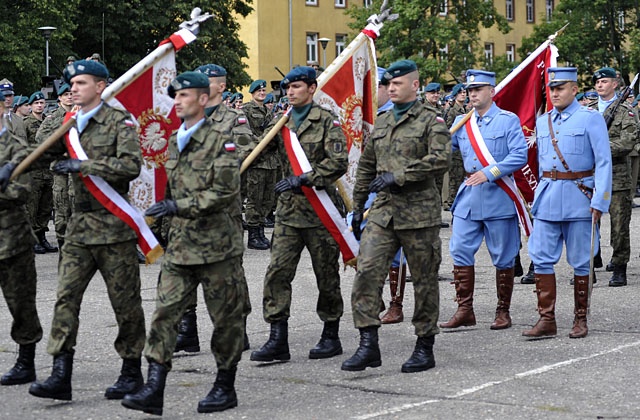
[480, 373]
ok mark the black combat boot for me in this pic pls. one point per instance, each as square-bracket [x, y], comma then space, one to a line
[422, 357]
[150, 399]
[188, 333]
[610, 266]
[223, 394]
[619, 277]
[270, 221]
[246, 346]
[517, 267]
[38, 249]
[255, 240]
[367, 354]
[58, 385]
[129, 382]
[24, 371]
[277, 347]
[529, 278]
[264, 238]
[329, 344]
[45, 244]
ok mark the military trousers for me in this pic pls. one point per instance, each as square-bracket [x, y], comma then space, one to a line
[286, 247]
[225, 289]
[120, 270]
[18, 283]
[456, 176]
[260, 194]
[40, 203]
[620, 218]
[378, 245]
[61, 204]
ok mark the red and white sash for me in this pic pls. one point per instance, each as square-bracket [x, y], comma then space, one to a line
[112, 201]
[320, 200]
[506, 183]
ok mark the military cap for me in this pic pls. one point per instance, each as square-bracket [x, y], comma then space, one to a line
[561, 75]
[239, 96]
[35, 96]
[591, 95]
[71, 58]
[93, 68]
[212, 70]
[257, 84]
[456, 89]
[579, 96]
[399, 68]
[304, 73]
[478, 78]
[6, 87]
[188, 80]
[381, 71]
[269, 98]
[63, 89]
[432, 87]
[20, 100]
[604, 72]
[226, 95]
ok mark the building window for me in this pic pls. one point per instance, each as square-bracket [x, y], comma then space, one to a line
[511, 53]
[340, 3]
[341, 42]
[368, 3]
[311, 2]
[509, 14]
[488, 53]
[312, 48]
[443, 8]
[549, 9]
[531, 16]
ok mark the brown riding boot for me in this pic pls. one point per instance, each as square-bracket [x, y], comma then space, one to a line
[581, 295]
[396, 287]
[504, 289]
[546, 290]
[463, 279]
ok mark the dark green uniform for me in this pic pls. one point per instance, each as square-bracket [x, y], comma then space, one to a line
[456, 169]
[205, 243]
[97, 240]
[416, 149]
[298, 226]
[15, 125]
[40, 202]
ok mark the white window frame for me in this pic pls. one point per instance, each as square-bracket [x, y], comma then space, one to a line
[311, 2]
[340, 4]
[509, 11]
[312, 47]
[341, 43]
[489, 52]
[444, 8]
[511, 52]
[368, 3]
[548, 6]
[531, 11]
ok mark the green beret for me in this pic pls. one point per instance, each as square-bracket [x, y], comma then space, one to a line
[188, 80]
[305, 73]
[257, 84]
[35, 96]
[399, 68]
[212, 70]
[604, 72]
[63, 89]
[226, 95]
[456, 89]
[579, 96]
[269, 98]
[432, 87]
[20, 100]
[94, 68]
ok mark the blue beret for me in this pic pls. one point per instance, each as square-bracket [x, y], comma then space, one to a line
[561, 75]
[432, 87]
[477, 78]
[604, 72]
[399, 68]
[304, 73]
[456, 89]
[269, 98]
[94, 68]
[233, 97]
[239, 95]
[591, 94]
[212, 70]
[449, 97]
[579, 96]
[20, 100]
[63, 89]
[257, 84]
[35, 96]
[188, 80]
[381, 71]
[6, 88]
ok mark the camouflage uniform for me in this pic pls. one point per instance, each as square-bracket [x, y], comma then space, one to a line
[17, 262]
[416, 149]
[98, 240]
[40, 201]
[298, 226]
[15, 125]
[622, 138]
[439, 178]
[205, 243]
[62, 193]
[262, 175]
[456, 169]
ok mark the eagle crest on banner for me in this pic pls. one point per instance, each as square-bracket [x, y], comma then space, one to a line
[154, 132]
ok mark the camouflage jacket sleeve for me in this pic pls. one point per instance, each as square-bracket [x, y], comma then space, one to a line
[17, 193]
[623, 131]
[112, 146]
[236, 122]
[31, 125]
[48, 126]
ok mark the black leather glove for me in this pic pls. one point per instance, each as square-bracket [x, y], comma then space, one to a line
[5, 174]
[293, 183]
[382, 181]
[356, 222]
[67, 166]
[162, 208]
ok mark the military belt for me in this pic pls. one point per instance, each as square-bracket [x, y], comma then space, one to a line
[554, 174]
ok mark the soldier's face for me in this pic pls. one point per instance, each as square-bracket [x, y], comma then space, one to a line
[481, 97]
[86, 90]
[8, 100]
[606, 87]
[189, 103]
[433, 97]
[259, 94]
[37, 106]
[66, 99]
[23, 110]
[462, 96]
[383, 96]
[300, 93]
[217, 85]
[403, 89]
[562, 96]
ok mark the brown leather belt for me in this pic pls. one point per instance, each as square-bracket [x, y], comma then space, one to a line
[554, 174]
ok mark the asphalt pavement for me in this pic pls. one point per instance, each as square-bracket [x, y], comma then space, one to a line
[479, 373]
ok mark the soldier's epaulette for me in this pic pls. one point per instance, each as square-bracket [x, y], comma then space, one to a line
[505, 112]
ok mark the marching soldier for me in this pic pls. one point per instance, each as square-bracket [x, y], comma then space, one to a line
[17, 260]
[482, 208]
[299, 226]
[432, 95]
[96, 239]
[21, 106]
[409, 147]
[205, 247]
[573, 192]
[13, 122]
[622, 138]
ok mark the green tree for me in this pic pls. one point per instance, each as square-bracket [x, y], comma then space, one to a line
[442, 44]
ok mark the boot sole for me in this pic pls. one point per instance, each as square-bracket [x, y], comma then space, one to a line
[149, 410]
[62, 397]
[21, 381]
[417, 368]
[315, 356]
[280, 357]
[214, 409]
[188, 349]
[373, 364]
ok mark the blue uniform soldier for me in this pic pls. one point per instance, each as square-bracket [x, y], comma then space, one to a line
[574, 190]
[482, 208]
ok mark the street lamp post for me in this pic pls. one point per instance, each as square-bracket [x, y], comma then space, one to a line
[46, 32]
[323, 43]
